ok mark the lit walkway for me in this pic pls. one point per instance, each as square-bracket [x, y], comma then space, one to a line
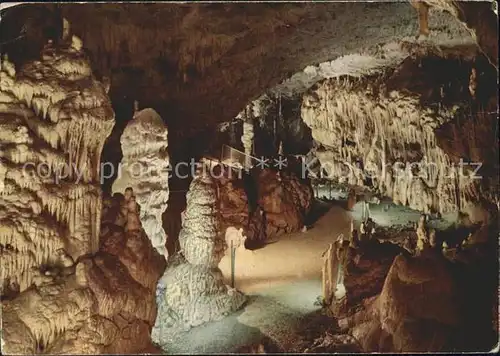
[283, 281]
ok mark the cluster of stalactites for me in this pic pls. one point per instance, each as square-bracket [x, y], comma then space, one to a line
[76, 111]
[54, 118]
[388, 137]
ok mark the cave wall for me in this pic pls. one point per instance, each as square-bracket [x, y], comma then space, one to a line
[218, 80]
[266, 203]
[366, 125]
[276, 122]
[68, 286]
[164, 56]
[56, 117]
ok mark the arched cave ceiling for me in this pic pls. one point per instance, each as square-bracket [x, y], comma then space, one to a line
[199, 64]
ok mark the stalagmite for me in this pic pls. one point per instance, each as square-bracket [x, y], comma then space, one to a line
[329, 273]
[145, 169]
[192, 290]
[133, 221]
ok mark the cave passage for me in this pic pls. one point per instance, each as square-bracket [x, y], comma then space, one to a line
[340, 158]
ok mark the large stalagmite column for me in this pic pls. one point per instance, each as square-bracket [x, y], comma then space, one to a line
[145, 168]
[192, 290]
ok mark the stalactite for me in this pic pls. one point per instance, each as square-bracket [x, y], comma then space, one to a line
[62, 124]
[345, 113]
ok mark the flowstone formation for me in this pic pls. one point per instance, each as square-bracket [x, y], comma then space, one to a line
[68, 288]
[379, 132]
[192, 290]
[235, 211]
[54, 119]
[103, 303]
[144, 168]
[419, 297]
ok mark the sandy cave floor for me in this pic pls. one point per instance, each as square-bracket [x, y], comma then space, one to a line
[283, 282]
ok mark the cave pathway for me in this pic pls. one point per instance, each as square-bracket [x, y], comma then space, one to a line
[283, 282]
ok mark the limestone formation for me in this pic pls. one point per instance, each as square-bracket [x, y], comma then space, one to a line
[424, 235]
[145, 168]
[235, 210]
[192, 290]
[408, 320]
[54, 118]
[426, 304]
[71, 289]
[234, 237]
[274, 207]
[329, 272]
[247, 140]
[285, 200]
[384, 139]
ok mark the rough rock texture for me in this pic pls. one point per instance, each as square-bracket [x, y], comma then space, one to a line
[416, 311]
[479, 18]
[54, 118]
[145, 168]
[276, 121]
[63, 292]
[376, 134]
[432, 312]
[103, 303]
[285, 200]
[168, 57]
[192, 290]
[365, 271]
[193, 54]
[254, 202]
[423, 303]
[235, 211]
[265, 204]
[430, 321]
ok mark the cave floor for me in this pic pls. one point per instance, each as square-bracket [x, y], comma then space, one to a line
[283, 282]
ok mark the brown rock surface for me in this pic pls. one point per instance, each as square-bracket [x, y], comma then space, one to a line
[105, 304]
[282, 203]
[284, 200]
[417, 310]
[78, 289]
[366, 271]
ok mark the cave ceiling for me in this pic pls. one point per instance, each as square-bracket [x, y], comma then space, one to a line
[199, 64]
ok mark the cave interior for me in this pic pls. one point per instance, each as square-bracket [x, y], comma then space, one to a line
[254, 177]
